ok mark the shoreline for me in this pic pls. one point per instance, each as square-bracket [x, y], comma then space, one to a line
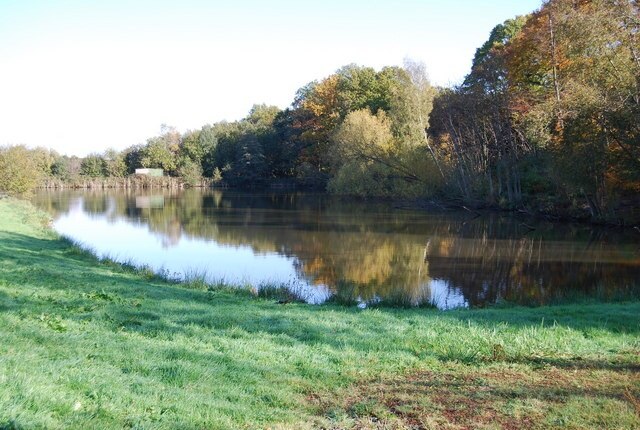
[94, 344]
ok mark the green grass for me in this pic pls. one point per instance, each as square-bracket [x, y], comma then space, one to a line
[90, 344]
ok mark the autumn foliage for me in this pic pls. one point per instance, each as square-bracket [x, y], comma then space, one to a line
[547, 121]
[550, 112]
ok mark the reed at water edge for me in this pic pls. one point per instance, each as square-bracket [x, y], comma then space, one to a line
[129, 182]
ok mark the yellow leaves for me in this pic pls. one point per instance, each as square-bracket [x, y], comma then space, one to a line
[323, 100]
[364, 135]
[19, 170]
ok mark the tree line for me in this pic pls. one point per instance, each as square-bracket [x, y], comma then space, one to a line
[550, 110]
[547, 119]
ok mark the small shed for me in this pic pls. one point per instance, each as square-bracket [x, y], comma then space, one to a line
[156, 173]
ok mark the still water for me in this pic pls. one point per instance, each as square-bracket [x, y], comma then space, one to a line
[326, 247]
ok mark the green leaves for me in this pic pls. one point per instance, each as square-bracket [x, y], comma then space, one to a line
[93, 166]
[19, 170]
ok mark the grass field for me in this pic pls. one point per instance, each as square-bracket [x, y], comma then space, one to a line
[89, 344]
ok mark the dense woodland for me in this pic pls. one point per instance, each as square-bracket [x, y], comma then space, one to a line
[547, 120]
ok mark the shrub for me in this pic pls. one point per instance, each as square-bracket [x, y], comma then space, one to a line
[19, 171]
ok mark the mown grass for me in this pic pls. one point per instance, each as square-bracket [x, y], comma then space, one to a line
[90, 344]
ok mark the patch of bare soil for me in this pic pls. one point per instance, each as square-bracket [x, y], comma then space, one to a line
[462, 398]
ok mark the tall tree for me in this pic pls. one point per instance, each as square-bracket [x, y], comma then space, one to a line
[411, 103]
[474, 127]
[114, 163]
[93, 166]
[162, 151]
[575, 70]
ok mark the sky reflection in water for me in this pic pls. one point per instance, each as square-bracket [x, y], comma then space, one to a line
[323, 246]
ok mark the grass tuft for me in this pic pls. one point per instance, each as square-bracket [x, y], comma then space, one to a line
[281, 292]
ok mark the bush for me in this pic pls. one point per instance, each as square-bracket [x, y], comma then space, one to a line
[190, 171]
[19, 171]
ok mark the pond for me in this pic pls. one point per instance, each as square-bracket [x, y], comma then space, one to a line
[324, 247]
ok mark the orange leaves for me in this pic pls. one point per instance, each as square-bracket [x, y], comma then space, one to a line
[322, 101]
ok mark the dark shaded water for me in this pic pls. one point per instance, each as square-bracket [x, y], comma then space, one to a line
[323, 246]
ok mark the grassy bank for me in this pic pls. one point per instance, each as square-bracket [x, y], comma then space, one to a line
[85, 344]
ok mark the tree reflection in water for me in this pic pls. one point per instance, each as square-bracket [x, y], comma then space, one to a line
[372, 252]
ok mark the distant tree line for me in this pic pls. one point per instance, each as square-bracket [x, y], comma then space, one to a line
[547, 119]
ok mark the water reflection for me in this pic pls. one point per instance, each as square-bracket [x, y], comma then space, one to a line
[324, 246]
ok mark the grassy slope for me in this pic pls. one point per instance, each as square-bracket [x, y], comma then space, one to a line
[85, 344]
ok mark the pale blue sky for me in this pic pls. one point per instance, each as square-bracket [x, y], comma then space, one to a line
[81, 76]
